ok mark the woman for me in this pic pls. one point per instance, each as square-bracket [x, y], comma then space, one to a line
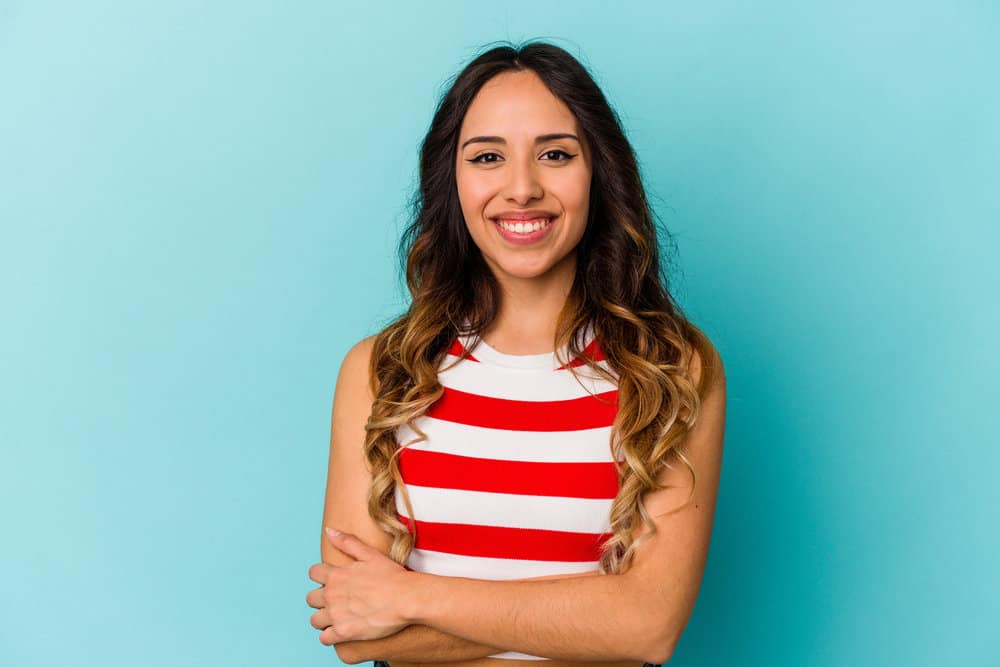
[541, 414]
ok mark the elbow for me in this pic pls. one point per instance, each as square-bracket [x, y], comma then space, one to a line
[659, 653]
[662, 657]
[346, 654]
[658, 625]
[659, 645]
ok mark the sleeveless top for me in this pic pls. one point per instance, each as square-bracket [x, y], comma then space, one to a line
[516, 477]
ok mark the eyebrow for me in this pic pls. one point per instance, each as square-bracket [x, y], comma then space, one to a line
[538, 140]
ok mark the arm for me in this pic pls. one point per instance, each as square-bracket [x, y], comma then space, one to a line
[422, 643]
[414, 643]
[638, 615]
[346, 506]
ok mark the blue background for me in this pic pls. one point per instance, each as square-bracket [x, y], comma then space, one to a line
[200, 204]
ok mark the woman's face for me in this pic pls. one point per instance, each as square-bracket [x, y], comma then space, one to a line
[523, 172]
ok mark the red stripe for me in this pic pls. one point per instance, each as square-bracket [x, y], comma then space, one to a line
[489, 412]
[593, 351]
[451, 471]
[457, 349]
[502, 542]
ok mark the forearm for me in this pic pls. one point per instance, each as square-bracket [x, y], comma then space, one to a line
[415, 643]
[581, 618]
[422, 643]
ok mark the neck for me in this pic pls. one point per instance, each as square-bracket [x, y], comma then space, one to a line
[529, 309]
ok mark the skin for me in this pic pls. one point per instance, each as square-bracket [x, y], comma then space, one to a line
[522, 173]
[366, 598]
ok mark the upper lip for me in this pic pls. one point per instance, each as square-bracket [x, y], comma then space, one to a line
[524, 214]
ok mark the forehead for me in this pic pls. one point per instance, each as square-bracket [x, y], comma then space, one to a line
[517, 104]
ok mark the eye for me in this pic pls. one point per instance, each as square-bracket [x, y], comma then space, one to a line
[560, 156]
[478, 159]
[566, 155]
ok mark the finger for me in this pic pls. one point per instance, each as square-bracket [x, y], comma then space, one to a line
[319, 572]
[330, 636]
[315, 598]
[353, 546]
[320, 619]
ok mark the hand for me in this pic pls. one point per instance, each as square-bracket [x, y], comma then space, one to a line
[360, 600]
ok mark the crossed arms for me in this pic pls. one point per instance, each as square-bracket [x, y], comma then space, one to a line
[638, 615]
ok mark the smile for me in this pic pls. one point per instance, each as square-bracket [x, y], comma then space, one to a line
[524, 231]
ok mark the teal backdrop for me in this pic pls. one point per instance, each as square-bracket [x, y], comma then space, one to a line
[200, 204]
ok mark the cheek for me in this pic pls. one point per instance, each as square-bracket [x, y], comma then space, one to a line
[576, 198]
[580, 192]
[473, 198]
[473, 193]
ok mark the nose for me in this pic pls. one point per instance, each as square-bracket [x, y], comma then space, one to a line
[523, 185]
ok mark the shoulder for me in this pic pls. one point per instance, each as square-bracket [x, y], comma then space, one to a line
[707, 370]
[354, 370]
[360, 353]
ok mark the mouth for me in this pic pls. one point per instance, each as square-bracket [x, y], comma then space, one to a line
[524, 231]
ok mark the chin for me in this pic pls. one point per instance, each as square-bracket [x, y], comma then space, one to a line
[524, 272]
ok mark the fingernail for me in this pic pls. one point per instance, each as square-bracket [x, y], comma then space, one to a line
[331, 532]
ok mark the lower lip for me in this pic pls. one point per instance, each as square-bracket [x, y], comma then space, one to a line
[525, 239]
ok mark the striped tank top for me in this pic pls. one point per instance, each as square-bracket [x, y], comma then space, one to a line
[516, 477]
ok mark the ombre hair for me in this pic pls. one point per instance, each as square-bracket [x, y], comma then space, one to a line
[620, 288]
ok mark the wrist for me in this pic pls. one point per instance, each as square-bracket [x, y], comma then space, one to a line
[411, 603]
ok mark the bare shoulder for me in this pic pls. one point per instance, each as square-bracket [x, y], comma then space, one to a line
[714, 360]
[352, 400]
[354, 368]
[707, 433]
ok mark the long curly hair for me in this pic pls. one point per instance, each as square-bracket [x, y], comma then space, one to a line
[619, 288]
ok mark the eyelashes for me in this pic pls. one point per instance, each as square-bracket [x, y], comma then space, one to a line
[566, 157]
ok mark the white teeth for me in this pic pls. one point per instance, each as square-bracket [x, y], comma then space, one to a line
[525, 227]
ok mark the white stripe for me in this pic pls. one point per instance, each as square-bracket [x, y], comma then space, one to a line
[481, 567]
[510, 510]
[503, 376]
[499, 382]
[581, 446]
